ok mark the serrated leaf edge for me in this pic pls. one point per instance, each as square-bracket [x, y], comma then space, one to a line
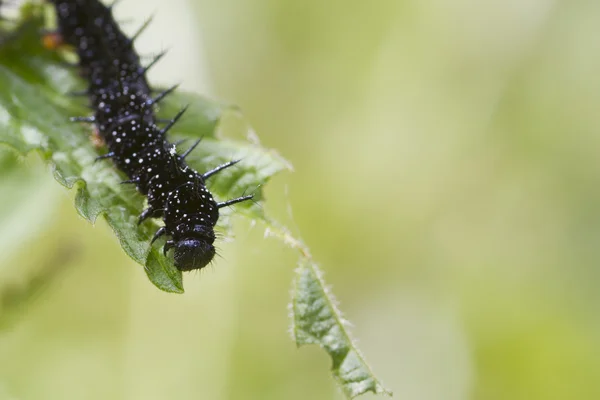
[282, 233]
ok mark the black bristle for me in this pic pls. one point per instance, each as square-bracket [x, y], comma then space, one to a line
[104, 156]
[219, 168]
[156, 59]
[173, 121]
[188, 151]
[163, 94]
[140, 30]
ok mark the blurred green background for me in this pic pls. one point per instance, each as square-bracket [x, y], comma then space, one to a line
[446, 180]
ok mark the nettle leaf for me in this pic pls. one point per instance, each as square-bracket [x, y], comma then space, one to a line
[35, 107]
[316, 319]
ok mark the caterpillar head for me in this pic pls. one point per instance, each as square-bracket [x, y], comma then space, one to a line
[193, 253]
[192, 246]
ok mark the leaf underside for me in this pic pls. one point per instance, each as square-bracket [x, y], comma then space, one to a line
[34, 116]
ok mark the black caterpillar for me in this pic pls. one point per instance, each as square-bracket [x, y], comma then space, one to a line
[124, 117]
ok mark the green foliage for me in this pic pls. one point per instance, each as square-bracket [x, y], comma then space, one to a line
[34, 116]
[316, 319]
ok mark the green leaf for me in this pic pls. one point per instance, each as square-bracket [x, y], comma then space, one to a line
[34, 116]
[316, 319]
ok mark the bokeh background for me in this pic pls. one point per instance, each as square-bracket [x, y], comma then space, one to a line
[446, 179]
